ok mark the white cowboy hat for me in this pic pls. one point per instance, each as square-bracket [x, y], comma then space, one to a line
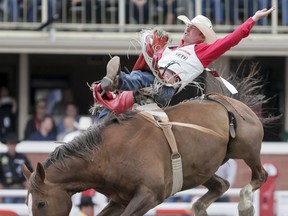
[203, 24]
[84, 123]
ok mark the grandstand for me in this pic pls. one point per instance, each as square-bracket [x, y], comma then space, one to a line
[70, 49]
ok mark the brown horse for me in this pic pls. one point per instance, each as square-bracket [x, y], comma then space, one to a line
[128, 159]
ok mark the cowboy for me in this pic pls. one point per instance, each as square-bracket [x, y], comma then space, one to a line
[84, 123]
[86, 206]
[11, 176]
[174, 67]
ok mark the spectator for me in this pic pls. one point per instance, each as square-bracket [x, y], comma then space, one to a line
[86, 206]
[60, 107]
[89, 6]
[15, 5]
[8, 109]
[33, 9]
[83, 125]
[140, 10]
[217, 10]
[228, 172]
[14, 10]
[47, 131]
[283, 5]
[169, 8]
[11, 176]
[68, 126]
[234, 18]
[52, 97]
[33, 124]
[71, 111]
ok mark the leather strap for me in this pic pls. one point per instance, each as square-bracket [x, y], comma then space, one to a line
[159, 118]
[194, 126]
[177, 170]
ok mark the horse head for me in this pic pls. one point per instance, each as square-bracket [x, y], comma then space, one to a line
[44, 198]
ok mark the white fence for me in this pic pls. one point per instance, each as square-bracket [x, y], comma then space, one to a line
[268, 148]
[216, 209]
[228, 209]
[223, 209]
[22, 209]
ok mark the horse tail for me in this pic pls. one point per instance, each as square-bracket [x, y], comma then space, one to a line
[250, 85]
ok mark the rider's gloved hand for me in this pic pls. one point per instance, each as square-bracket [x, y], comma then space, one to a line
[160, 39]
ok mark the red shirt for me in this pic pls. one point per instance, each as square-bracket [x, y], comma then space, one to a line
[207, 53]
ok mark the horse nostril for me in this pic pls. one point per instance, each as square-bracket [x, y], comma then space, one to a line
[41, 205]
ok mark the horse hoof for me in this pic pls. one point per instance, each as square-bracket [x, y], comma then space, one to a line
[201, 213]
[198, 211]
[246, 192]
[246, 212]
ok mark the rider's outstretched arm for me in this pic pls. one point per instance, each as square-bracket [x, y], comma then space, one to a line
[262, 14]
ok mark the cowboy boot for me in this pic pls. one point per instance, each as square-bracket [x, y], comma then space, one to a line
[110, 81]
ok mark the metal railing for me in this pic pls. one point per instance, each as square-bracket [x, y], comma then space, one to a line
[21, 209]
[223, 208]
[216, 208]
[125, 16]
[33, 147]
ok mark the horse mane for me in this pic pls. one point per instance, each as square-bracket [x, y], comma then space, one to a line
[82, 145]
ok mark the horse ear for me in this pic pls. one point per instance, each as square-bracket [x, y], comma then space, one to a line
[40, 172]
[26, 172]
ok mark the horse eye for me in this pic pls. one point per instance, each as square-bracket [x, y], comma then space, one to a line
[41, 205]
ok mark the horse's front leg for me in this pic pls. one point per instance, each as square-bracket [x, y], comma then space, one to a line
[112, 209]
[143, 200]
[216, 187]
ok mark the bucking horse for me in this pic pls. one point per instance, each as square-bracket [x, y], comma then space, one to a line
[129, 159]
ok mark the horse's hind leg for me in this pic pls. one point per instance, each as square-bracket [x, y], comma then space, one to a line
[259, 177]
[216, 187]
[112, 209]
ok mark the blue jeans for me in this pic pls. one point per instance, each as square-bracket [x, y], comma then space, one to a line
[241, 5]
[32, 10]
[14, 10]
[137, 80]
[218, 10]
[104, 112]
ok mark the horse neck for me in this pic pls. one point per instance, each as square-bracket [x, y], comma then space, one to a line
[74, 176]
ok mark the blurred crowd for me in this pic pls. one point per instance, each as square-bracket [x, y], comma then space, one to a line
[57, 118]
[136, 11]
[51, 120]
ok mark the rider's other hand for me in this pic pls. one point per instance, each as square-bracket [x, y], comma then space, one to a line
[262, 13]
